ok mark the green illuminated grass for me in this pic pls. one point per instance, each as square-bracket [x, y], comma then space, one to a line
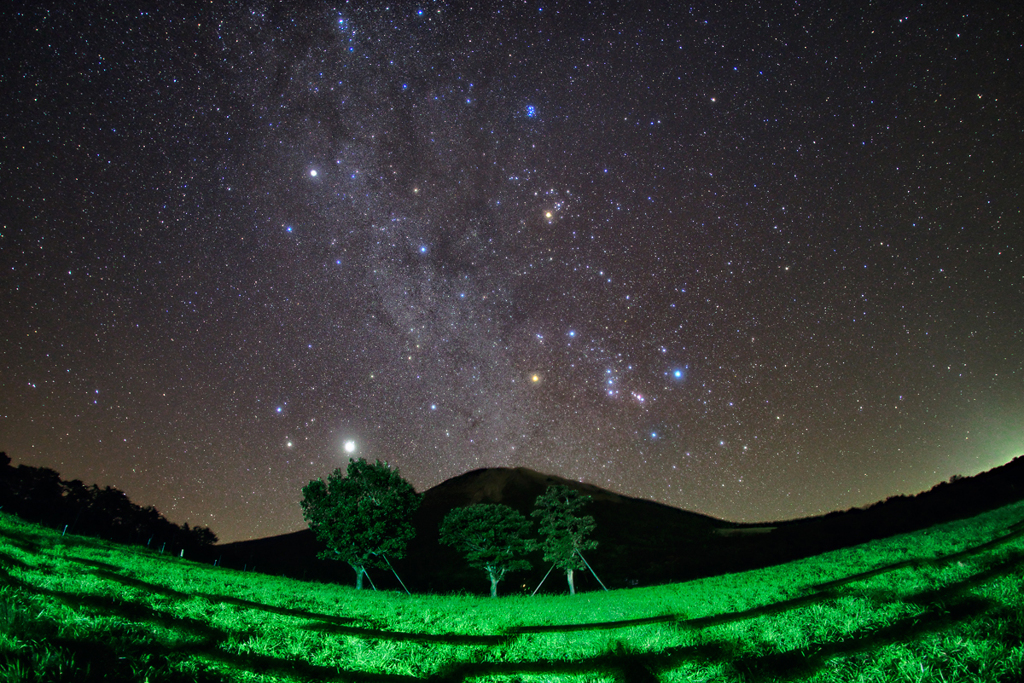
[943, 604]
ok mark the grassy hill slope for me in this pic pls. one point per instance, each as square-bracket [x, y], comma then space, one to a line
[940, 604]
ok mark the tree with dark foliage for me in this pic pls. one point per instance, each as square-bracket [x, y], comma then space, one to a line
[563, 533]
[362, 516]
[493, 538]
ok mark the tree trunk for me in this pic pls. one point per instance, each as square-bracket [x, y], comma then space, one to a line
[572, 586]
[359, 576]
[494, 584]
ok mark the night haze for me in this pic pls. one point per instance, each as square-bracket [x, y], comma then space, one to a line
[754, 263]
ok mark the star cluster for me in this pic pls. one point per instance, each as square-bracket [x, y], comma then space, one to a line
[758, 263]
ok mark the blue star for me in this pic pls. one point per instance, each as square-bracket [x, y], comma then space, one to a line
[531, 112]
[678, 374]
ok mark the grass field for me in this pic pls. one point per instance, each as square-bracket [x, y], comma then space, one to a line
[944, 604]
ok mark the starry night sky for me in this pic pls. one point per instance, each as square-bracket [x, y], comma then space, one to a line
[756, 262]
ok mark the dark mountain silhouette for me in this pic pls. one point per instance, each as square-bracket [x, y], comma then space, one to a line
[640, 542]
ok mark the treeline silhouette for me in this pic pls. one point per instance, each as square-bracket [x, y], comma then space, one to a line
[39, 495]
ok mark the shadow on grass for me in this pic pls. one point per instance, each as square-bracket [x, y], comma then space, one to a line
[996, 568]
[327, 623]
[630, 667]
[26, 542]
[823, 591]
[449, 638]
[96, 563]
[12, 561]
[284, 611]
[695, 623]
[88, 651]
[943, 608]
[924, 562]
[806, 661]
[121, 655]
[125, 609]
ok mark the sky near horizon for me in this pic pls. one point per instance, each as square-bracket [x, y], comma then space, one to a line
[756, 263]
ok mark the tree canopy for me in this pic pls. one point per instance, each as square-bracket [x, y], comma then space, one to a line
[493, 538]
[563, 533]
[363, 516]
